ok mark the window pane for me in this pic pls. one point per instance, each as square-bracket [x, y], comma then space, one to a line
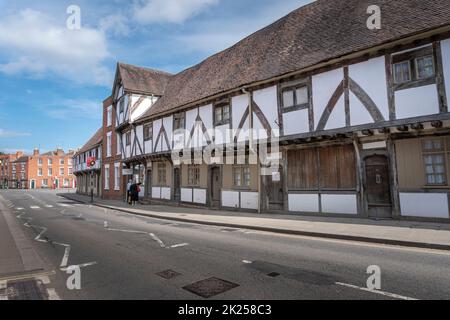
[288, 99]
[218, 114]
[226, 113]
[302, 95]
[425, 67]
[247, 177]
[402, 72]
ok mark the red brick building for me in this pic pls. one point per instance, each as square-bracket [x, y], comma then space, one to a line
[53, 169]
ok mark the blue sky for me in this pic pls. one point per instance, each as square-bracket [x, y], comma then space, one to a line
[54, 79]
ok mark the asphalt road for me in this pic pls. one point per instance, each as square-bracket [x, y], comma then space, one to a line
[120, 255]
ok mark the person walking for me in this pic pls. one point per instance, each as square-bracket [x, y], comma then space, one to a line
[134, 191]
[129, 184]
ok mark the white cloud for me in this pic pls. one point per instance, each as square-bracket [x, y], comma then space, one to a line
[34, 44]
[11, 134]
[75, 109]
[172, 11]
[115, 24]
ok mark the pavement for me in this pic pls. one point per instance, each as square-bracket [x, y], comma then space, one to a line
[388, 232]
[125, 256]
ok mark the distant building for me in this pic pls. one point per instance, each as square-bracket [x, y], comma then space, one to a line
[5, 165]
[87, 163]
[52, 170]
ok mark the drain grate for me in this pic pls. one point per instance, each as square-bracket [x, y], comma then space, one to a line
[168, 274]
[210, 287]
[274, 274]
[24, 290]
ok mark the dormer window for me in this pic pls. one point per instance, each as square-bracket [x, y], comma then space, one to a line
[414, 68]
[222, 113]
[148, 132]
[179, 121]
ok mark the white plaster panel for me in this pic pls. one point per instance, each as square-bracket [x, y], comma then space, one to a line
[425, 205]
[358, 112]
[148, 146]
[445, 45]
[222, 134]
[303, 202]
[156, 193]
[417, 102]
[156, 129]
[239, 105]
[323, 87]
[206, 115]
[267, 100]
[296, 122]
[371, 77]
[249, 200]
[337, 117]
[165, 193]
[342, 203]
[186, 195]
[259, 132]
[140, 138]
[230, 199]
[199, 196]
[168, 125]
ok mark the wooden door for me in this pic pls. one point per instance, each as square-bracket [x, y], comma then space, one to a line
[378, 190]
[215, 187]
[275, 190]
[177, 185]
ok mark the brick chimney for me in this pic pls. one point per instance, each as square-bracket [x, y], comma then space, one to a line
[36, 152]
[19, 154]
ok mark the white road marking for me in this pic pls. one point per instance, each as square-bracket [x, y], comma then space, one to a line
[48, 206]
[157, 240]
[84, 265]
[20, 209]
[65, 205]
[45, 279]
[179, 245]
[34, 207]
[38, 238]
[247, 261]
[387, 294]
[52, 295]
[65, 258]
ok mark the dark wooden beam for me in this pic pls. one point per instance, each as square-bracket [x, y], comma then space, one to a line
[437, 124]
[403, 128]
[384, 130]
[417, 126]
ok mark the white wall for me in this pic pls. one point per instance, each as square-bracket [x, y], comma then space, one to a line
[156, 128]
[323, 87]
[296, 122]
[339, 203]
[267, 100]
[186, 195]
[426, 205]
[371, 77]
[230, 199]
[416, 102]
[143, 107]
[249, 200]
[303, 203]
[199, 196]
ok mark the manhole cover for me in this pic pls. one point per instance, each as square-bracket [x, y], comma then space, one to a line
[168, 274]
[273, 274]
[210, 287]
[24, 290]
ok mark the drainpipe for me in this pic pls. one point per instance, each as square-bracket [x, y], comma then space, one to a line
[250, 114]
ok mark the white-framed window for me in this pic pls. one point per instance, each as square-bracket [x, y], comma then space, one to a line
[61, 161]
[109, 116]
[61, 171]
[106, 176]
[193, 175]
[40, 162]
[108, 144]
[241, 176]
[50, 161]
[70, 170]
[40, 172]
[117, 176]
[45, 183]
[66, 182]
[50, 172]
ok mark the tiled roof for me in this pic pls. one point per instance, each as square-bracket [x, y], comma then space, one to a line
[21, 159]
[313, 34]
[143, 80]
[94, 141]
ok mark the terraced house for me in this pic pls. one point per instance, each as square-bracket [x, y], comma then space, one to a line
[361, 116]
